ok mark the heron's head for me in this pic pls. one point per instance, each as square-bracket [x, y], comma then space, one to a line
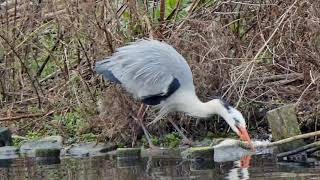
[234, 118]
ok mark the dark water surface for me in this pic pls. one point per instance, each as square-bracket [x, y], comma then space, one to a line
[107, 167]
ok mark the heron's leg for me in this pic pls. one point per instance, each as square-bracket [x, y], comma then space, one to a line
[140, 116]
[184, 137]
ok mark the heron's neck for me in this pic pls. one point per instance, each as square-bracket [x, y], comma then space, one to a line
[198, 108]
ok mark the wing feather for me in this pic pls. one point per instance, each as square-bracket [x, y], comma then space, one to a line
[146, 68]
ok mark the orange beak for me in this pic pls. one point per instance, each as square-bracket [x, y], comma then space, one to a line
[244, 136]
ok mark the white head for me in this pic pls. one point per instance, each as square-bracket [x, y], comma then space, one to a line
[232, 116]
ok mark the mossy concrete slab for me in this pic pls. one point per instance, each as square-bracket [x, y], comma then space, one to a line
[284, 124]
[52, 142]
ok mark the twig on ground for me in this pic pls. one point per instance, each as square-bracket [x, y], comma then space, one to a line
[26, 116]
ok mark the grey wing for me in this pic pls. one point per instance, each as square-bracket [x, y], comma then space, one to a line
[147, 68]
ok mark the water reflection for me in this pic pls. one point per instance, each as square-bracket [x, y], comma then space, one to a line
[239, 172]
[111, 168]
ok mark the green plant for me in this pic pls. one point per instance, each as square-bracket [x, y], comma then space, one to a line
[170, 6]
[17, 142]
[171, 140]
[72, 122]
[33, 135]
[88, 137]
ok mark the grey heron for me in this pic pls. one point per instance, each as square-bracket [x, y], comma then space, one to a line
[155, 73]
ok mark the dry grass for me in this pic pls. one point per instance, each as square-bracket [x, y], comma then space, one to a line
[258, 55]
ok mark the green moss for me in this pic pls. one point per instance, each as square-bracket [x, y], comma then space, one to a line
[154, 140]
[210, 134]
[193, 149]
[88, 137]
[171, 140]
[239, 27]
[33, 135]
[170, 6]
[34, 109]
[72, 122]
[265, 57]
[18, 142]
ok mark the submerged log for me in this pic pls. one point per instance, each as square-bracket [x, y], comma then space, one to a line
[284, 124]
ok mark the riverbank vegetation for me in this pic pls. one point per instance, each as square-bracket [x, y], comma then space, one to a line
[257, 55]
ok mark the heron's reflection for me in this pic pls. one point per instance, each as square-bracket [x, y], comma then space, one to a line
[228, 165]
[240, 171]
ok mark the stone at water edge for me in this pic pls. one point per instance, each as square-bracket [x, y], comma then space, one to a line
[128, 152]
[52, 142]
[5, 137]
[9, 152]
[199, 153]
[90, 149]
[284, 124]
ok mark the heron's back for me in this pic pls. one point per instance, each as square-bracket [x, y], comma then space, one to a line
[149, 69]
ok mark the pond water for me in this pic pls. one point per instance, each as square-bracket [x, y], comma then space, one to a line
[110, 167]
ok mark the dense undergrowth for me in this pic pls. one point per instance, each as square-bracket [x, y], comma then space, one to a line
[256, 54]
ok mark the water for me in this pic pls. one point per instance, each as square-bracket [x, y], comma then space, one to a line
[111, 168]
